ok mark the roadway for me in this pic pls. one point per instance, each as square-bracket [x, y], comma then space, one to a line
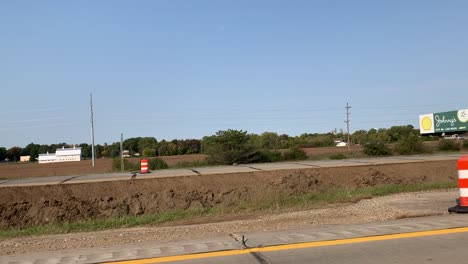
[307, 164]
[442, 246]
[434, 239]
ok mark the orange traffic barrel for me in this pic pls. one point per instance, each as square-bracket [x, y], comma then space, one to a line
[462, 204]
[144, 166]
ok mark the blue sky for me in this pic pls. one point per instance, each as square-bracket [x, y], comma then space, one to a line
[186, 69]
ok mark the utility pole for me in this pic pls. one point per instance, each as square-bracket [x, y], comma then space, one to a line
[92, 129]
[122, 168]
[347, 123]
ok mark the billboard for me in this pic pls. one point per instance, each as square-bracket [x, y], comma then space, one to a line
[452, 121]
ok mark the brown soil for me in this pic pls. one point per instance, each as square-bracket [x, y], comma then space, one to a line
[23, 206]
[104, 165]
[28, 170]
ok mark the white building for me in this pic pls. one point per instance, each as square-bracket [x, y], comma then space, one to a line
[68, 154]
[47, 158]
[61, 155]
[25, 158]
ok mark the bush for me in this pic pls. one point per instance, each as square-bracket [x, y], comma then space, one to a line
[257, 156]
[154, 164]
[190, 164]
[147, 152]
[128, 165]
[231, 157]
[465, 144]
[230, 146]
[271, 156]
[411, 144]
[157, 164]
[449, 145]
[295, 154]
[338, 157]
[376, 148]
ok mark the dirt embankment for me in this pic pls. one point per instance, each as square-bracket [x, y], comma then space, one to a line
[22, 206]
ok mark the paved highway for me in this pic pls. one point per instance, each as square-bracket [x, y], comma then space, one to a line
[442, 246]
[435, 239]
[223, 170]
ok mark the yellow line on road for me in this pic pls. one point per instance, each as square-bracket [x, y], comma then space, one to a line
[294, 246]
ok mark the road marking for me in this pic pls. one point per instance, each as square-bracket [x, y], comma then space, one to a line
[294, 246]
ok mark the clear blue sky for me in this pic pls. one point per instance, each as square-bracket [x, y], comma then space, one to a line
[186, 69]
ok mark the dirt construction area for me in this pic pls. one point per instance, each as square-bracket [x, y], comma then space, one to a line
[33, 205]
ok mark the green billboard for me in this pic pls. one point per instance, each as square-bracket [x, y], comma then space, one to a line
[452, 121]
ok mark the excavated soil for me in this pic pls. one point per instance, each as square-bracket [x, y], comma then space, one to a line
[23, 206]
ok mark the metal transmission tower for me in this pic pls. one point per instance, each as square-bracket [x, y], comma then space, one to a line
[92, 129]
[347, 123]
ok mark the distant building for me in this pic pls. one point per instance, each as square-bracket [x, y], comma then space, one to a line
[61, 155]
[47, 158]
[25, 158]
[126, 154]
[342, 144]
[68, 154]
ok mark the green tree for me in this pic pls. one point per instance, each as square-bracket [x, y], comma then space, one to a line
[376, 148]
[147, 142]
[359, 137]
[147, 152]
[111, 151]
[132, 145]
[283, 141]
[397, 133]
[228, 147]
[192, 146]
[162, 149]
[269, 140]
[98, 151]
[14, 153]
[409, 144]
[34, 155]
[3, 153]
[31, 150]
[86, 150]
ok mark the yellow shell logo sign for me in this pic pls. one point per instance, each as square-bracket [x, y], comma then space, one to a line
[463, 115]
[426, 123]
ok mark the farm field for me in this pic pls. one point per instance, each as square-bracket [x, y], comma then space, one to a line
[103, 165]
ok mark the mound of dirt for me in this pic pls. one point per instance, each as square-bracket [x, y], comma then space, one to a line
[23, 206]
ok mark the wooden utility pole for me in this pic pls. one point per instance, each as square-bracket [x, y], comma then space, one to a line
[348, 143]
[92, 129]
[122, 168]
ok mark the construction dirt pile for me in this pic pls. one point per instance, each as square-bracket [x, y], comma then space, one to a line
[24, 206]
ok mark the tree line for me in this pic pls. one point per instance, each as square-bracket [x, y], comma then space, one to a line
[151, 147]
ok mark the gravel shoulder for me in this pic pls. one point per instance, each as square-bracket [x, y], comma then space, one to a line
[365, 211]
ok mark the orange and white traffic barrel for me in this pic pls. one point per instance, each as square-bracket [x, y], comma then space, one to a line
[462, 205]
[144, 166]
